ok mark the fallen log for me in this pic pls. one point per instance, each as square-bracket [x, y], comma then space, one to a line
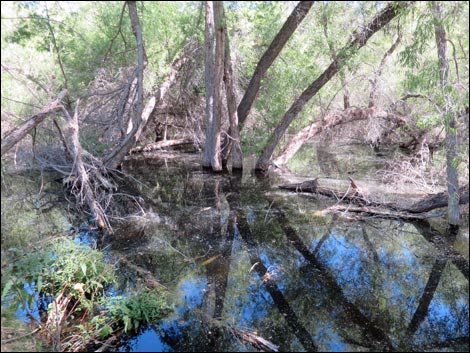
[438, 201]
[353, 195]
[17, 135]
[383, 213]
[161, 144]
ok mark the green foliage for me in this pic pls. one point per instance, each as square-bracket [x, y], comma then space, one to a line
[62, 264]
[143, 308]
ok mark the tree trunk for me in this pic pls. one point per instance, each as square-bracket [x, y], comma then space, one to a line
[17, 135]
[86, 188]
[216, 158]
[114, 159]
[453, 215]
[289, 27]
[358, 41]
[209, 63]
[234, 148]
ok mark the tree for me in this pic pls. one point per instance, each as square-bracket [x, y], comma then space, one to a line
[450, 124]
[214, 63]
[359, 39]
[233, 148]
[137, 122]
[270, 55]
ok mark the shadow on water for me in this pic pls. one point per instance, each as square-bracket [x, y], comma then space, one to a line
[241, 258]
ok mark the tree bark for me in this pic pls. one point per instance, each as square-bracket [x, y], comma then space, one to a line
[209, 63]
[234, 148]
[359, 39]
[15, 136]
[289, 27]
[439, 200]
[453, 215]
[216, 158]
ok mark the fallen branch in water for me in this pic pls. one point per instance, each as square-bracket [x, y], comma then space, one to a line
[255, 340]
[162, 144]
[375, 211]
[417, 210]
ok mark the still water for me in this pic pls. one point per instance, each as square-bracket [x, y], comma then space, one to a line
[245, 263]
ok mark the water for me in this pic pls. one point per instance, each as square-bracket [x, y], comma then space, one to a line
[240, 257]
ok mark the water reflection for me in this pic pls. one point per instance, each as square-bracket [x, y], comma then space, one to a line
[241, 257]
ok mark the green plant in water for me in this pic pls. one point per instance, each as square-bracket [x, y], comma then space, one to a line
[65, 269]
[142, 308]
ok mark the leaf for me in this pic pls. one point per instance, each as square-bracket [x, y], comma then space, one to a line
[7, 288]
[105, 331]
[39, 284]
[83, 266]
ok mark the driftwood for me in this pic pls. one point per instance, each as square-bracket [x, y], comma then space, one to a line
[161, 144]
[417, 210]
[17, 135]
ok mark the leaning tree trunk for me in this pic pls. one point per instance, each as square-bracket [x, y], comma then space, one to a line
[115, 157]
[453, 212]
[289, 27]
[358, 41]
[17, 135]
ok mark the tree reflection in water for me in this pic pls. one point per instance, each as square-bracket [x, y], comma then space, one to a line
[316, 283]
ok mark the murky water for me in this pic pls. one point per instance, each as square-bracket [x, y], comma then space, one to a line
[244, 260]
